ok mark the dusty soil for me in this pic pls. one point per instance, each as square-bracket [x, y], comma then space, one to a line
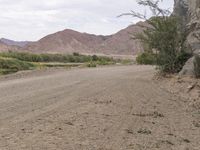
[112, 108]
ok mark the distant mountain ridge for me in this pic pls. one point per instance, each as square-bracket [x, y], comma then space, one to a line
[122, 43]
[5, 47]
[69, 41]
[14, 43]
[66, 41]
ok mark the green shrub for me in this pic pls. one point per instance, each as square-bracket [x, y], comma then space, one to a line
[146, 58]
[103, 62]
[197, 66]
[14, 65]
[166, 40]
[66, 58]
[94, 58]
[76, 54]
[172, 64]
[92, 64]
[126, 61]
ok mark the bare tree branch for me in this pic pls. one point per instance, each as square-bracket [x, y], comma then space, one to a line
[153, 6]
[135, 14]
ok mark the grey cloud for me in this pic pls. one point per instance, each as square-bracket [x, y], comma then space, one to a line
[33, 19]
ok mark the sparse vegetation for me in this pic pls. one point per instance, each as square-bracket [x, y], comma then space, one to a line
[163, 38]
[15, 61]
[91, 64]
[10, 65]
[146, 58]
[65, 58]
[127, 62]
[166, 42]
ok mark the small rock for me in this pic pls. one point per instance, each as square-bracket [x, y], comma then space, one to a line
[196, 124]
[191, 87]
[186, 140]
[40, 130]
[129, 131]
[144, 131]
[69, 123]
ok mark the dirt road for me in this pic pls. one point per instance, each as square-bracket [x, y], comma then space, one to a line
[112, 108]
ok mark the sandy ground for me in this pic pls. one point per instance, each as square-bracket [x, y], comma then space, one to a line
[111, 108]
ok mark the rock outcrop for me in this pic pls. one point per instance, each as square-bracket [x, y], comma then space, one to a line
[189, 11]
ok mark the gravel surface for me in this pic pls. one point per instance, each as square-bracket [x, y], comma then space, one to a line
[109, 108]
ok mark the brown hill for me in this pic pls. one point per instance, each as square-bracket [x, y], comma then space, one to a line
[69, 41]
[122, 43]
[14, 43]
[4, 47]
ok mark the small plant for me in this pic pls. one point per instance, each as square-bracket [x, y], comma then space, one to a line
[94, 58]
[76, 54]
[103, 62]
[197, 66]
[8, 65]
[92, 65]
[127, 61]
[65, 58]
[146, 58]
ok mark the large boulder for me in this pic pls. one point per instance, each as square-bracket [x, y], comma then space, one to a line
[189, 12]
[188, 69]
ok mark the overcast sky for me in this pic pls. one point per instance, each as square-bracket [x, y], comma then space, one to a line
[33, 19]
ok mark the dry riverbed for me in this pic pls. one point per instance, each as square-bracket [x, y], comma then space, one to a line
[109, 108]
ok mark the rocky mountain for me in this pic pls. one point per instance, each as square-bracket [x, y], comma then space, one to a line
[69, 41]
[2, 46]
[5, 47]
[189, 11]
[122, 42]
[14, 43]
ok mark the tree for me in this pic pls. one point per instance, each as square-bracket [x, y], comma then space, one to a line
[163, 37]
